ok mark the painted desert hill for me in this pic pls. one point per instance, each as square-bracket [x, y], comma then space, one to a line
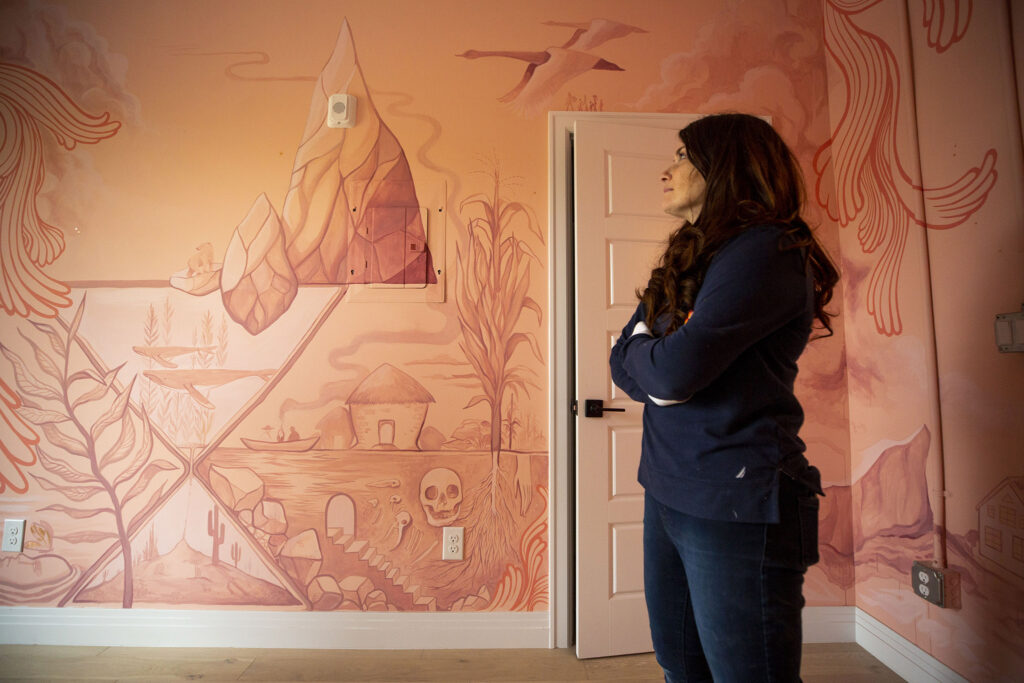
[185, 571]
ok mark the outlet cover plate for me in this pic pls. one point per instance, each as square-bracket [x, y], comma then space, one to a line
[14, 535]
[452, 542]
[938, 586]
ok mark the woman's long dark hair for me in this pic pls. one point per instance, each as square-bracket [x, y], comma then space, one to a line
[752, 179]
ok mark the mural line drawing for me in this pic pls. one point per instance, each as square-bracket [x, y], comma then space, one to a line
[1001, 526]
[351, 214]
[181, 462]
[492, 281]
[120, 469]
[872, 187]
[30, 103]
[17, 442]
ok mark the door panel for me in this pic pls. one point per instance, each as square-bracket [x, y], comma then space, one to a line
[620, 231]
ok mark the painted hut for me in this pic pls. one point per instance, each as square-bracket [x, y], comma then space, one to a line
[388, 409]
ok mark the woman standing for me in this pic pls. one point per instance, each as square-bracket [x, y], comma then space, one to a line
[731, 509]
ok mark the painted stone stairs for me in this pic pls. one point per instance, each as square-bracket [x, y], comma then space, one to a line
[377, 563]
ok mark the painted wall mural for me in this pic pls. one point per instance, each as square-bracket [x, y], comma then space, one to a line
[862, 178]
[350, 216]
[249, 361]
[143, 413]
[33, 104]
[907, 174]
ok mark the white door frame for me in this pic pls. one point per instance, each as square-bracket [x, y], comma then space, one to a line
[560, 125]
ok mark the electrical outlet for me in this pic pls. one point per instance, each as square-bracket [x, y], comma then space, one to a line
[936, 585]
[14, 535]
[451, 543]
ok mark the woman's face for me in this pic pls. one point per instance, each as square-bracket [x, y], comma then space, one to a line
[683, 188]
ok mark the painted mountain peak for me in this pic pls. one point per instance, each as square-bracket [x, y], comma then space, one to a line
[351, 214]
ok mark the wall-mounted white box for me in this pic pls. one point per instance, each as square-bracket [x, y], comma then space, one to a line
[341, 111]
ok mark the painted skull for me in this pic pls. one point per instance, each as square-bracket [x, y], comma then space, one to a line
[441, 496]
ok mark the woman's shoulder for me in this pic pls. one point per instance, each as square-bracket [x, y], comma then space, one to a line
[757, 237]
[761, 248]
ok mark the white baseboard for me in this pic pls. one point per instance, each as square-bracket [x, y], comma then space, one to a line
[396, 631]
[829, 624]
[317, 630]
[245, 629]
[899, 654]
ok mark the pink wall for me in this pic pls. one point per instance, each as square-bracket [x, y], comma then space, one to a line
[924, 173]
[216, 239]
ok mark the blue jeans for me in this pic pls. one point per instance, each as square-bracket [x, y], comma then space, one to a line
[724, 598]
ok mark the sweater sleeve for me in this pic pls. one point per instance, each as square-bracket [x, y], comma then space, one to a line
[619, 374]
[751, 289]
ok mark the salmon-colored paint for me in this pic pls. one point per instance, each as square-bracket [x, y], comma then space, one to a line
[201, 387]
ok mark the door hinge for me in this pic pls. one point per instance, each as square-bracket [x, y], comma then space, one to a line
[575, 408]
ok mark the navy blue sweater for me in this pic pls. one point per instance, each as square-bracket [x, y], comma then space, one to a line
[718, 454]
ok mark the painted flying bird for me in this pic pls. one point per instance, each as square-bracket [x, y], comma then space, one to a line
[548, 70]
[187, 380]
[163, 354]
[597, 32]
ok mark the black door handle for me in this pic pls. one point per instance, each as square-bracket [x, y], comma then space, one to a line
[594, 407]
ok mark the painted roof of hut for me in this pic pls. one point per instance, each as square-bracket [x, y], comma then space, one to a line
[388, 384]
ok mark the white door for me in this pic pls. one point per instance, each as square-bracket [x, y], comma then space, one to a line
[620, 231]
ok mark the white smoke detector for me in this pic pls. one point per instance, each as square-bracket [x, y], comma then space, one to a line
[341, 111]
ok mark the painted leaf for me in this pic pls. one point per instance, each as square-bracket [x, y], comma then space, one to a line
[45, 363]
[157, 495]
[40, 416]
[114, 413]
[479, 398]
[99, 391]
[25, 380]
[142, 455]
[87, 536]
[87, 373]
[56, 343]
[124, 444]
[105, 381]
[75, 493]
[94, 394]
[75, 322]
[64, 470]
[76, 512]
[152, 469]
[61, 440]
[518, 338]
[31, 403]
[535, 307]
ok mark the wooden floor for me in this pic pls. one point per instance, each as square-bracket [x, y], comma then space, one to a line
[834, 662]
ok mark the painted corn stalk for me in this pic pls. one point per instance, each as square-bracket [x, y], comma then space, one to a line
[94, 451]
[492, 282]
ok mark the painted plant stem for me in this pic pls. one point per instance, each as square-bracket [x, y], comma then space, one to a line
[491, 293]
[79, 484]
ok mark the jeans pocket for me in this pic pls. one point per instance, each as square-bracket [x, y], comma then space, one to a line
[808, 506]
